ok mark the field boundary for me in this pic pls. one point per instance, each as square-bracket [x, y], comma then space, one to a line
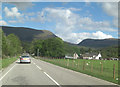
[7, 62]
[73, 69]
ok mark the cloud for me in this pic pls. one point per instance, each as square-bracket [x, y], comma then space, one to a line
[111, 8]
[30, 14]
[39, 18]
[78, 37]
[22, 20]
[69, 25]
[71, 21]
[115, 22]
[87, 23]
[101, 35]
[75, 9]
[0, 17]
[2, 23]
[13, 12]
[12, 21]
[22, 5]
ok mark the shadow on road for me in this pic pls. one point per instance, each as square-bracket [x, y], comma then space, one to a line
[22, 63]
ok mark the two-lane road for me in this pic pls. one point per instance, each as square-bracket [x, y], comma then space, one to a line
[43, 73]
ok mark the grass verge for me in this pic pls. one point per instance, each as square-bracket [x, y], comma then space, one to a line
[7, 61]
[102, 69]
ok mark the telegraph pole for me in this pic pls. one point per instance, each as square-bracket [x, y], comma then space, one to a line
[37, 52]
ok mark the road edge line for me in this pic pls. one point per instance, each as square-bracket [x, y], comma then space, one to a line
[7, 72]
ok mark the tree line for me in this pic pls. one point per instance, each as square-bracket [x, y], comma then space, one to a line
[110, 52]
[51, 47]
[11, 45]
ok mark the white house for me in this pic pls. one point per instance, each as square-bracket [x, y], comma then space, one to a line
[96, 56]
[115, 58]
[69, 57]
[75, 56]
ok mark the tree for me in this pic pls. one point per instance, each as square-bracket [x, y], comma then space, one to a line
[54, 47]
[51, 47]
[110, 52]
[11, 45]
[4, 45]
[14, 45]
[27, 47]
[36, 44]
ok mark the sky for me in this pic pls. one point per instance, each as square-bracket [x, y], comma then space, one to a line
[71, 21]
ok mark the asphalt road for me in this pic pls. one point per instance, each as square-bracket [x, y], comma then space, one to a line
[43, 73]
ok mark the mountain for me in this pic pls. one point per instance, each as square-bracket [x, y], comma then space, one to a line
[28, 34]
[99, 43]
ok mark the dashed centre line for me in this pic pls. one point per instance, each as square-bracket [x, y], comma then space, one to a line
[48, 76]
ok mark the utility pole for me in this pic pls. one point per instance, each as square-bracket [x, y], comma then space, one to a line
[37, 52]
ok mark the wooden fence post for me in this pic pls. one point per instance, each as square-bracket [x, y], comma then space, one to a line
[53, 59]
[72, 63]
[59, 60]
[84, 65]
[67, 62]
[78, 64]
[101, 67]
[114, 71]
[92, 67]
[64, 62]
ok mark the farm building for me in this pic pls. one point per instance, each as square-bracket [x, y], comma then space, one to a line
[96, 56]
[75, 56]
[115, 59]
[69, 57]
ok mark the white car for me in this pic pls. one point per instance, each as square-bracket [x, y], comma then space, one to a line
[25, 59]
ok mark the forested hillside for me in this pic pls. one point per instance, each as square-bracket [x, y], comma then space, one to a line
[99, 43]
[14, 43]
[27, 34]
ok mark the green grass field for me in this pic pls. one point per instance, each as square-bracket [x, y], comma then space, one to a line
[7, 61]
[103, 69]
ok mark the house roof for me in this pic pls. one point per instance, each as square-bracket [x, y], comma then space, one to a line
[89, 54]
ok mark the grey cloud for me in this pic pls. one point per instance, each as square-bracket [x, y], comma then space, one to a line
[22, 5]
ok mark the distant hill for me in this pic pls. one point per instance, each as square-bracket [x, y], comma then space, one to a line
[28, 34]
[99, 43]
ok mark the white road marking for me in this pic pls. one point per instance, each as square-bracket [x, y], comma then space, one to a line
[52, 79]
[48, 75]
[33, 62]
[38, 67]
[6, 73]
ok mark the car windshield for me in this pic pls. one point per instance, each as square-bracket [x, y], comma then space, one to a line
[25, 56]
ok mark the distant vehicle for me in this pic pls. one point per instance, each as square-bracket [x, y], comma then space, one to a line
[25, 59]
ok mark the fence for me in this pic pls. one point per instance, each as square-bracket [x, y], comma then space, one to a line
[104, 69]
